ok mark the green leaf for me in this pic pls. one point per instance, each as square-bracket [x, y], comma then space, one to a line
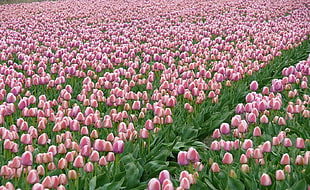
[210, 185]
[154, 167]
[189, 132]
[92, 183]
[116, 185]
[102, 179]
[132, 174]
[234, 184]
[302, 184]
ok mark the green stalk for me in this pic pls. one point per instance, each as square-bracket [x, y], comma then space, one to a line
[77, 183]
[116, 164]
[86, 180]
[149, 144]
[190, 168]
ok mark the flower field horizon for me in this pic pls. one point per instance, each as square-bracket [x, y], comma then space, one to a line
[156, 95]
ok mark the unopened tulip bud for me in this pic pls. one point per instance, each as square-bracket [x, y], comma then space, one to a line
[265, 180]
[280, 176]
[33, 177]
[300, 143]
[182, 158]
[154, 184]
[285, 160]
[233, 174]
[164, 175]
[215, 167]
[245, 168]
[185, 184]
[72, 174]
[89, 167]
[192, 155]
[228, 158]
[118, 146]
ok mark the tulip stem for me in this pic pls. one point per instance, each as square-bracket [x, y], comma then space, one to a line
[116, 164]
[86, 180]
[190, 168]
[149, 144]
[11, 119]
[77, 183]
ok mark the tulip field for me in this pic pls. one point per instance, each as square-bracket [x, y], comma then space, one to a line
[156, 95]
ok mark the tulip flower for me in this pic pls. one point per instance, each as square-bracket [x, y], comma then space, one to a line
[215, 167]
[228, 158]
[154, 184]
[182, 158]
[265, 180]
[26, 159]
[253, 86]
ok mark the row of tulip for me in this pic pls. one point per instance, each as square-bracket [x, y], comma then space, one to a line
[85, 93]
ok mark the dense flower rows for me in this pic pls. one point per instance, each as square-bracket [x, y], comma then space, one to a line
[91, 92]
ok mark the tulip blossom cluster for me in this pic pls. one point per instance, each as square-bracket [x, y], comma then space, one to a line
[83, 85]
[279, 106]
[164, 182]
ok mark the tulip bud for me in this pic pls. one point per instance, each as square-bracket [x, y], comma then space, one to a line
[72, 174]
[228, 158]
[154, 184]
[33, 177]
[245, 168]
[280, 176]
[182, 158]
[265, 180]
[118, 146]
[215, 167]
[164, 175]
[26, 159]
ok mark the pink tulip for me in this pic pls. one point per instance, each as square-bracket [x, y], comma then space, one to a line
[265, 180]
[185, 184]
[228, 158]
[118, 146]
[285, 160]
[192, 155]
[47, 182]
[264, 119]
[257, 132]
[258, 153]
[216, 134]
[215, 167]
[300, 143]
[163, 175]
[154, 184]
[182, 158]
[144, 134]
[247, 144]
[78, 162]
[26, 159]
[110, 157]
[267, 147]
[26, 139]
[299, 160]
[136, 105]
[103, 161]
[287, 142]
[280, 176]
[224, 128]
[215, 146]
[38, 186]
[62, 163]
[33, 177]
[253, 86]
[89, 167]
[243, 159]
